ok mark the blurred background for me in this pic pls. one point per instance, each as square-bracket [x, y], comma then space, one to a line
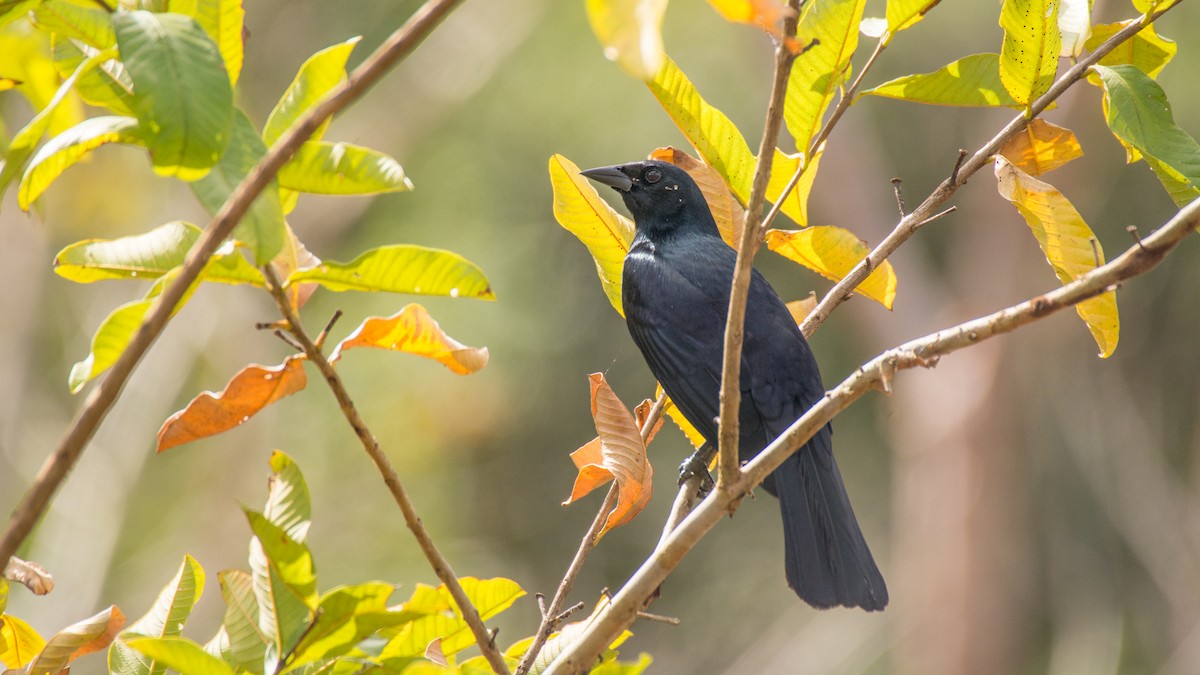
[1034, 509]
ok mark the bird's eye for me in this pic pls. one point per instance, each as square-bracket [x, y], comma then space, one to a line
[653, 176]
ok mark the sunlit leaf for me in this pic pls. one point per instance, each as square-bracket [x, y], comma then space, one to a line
[106, 86]
[223, 20]
[248, 392]
[615, 667]
[1069, 244]
[831, 30]
[672, 411]
[64, 150]
[317, 77]
[342, 169]
[19, 642]
[284, 586]
[179, 654]
[784, 166]
[726, 210]
[402, 268]
[90, 635]
[166, 617]
[414, 331]
[569, 634]
[1147, 50]
[902, 14]
[1147, 6]
[295, 256]
[1139, 114]
[11, 10]
[441, 618]
[618, 453]
[833, 252]
[1041, 147]
[606, 233]
[28, 61]
[765, 14]
[1032, 42]
[970, 81]
[89, 23]
[262, 229]
[246, 641]
[290, 558]
[181, 91]
[631, 33]
[346, 616]
[1179, 188]
[1074, 24]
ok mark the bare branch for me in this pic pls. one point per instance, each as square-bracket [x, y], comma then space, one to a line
[101, 399]
[923, 352]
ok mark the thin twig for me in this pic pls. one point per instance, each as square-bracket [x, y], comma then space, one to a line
[551, 616]
[922, 352]
[101, 399]
[962, 172]
[441, 567]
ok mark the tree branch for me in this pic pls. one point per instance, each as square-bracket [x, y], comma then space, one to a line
[877, 373]
[101, 399]
[441, 567]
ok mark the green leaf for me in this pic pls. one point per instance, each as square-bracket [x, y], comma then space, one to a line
[290, 558]
[11, 10]
[1139, 114]
[166, 618]
[66, 149]
[317, 77]
[442, 618]
[1147, 50]
[181, 91]
[246, 640]
[283, 612]
[1179, 188]
[179, 654]
[89, 23]
[631, 33]
[401, 268]
[262, 228]
[1068, 243]
[831, 28]
[902, 14]
[970, 81]
[107, 86]
[709, 131]
[1032, 42]
[288, 506]
[25, 140]
[346, 616]
[224, 21]
[342, 169]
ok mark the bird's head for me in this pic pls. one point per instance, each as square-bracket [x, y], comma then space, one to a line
[662, 197]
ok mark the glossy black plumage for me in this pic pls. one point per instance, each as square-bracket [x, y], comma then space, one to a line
[675, 292]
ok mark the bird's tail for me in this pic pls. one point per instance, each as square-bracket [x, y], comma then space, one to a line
[827, 559]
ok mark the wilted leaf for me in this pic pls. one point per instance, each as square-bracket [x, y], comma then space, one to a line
[181, 91]
[726, 210]
[224, 21]
[1032, 42]
[325, 168]
[618, 453]
[29, 574]
[970, 81]
[902, 14]
[833, 252]
[831, 28]
[251, 389]
[90, 635]
[1069, 244]
[66, 149]
[293, 257]
[1147, 50]
[166, 618]
[179, 654]
[19, 642]
[1041, 147]
[401, 268]
[606, 233]
[414, 331]
[631, 33]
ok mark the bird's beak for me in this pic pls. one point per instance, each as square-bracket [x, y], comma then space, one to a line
[611, 176]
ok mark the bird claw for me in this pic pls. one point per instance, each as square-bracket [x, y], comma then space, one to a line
[696, 466]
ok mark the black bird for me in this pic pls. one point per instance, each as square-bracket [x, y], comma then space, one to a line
[675, 290]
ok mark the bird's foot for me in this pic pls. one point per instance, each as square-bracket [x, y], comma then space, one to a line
[696, 466]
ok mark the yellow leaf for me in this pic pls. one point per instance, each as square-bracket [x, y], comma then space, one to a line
[796, 204]
[800, 309]
[617, 453]
[1032, 42]
[414, 331]
[19, 642]
[726, 210]
[831, 27]
[833, 252]
[606, 233]
[671, 410]
[1041, 147]
[1147, 50]
[902, 14]
[249, 391]
[631, 33]
[1069, 244]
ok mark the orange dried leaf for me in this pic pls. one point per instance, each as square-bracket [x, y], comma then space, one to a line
[724, 206]
[800, 309]
[642, 412]
[617, 453]
[414, 331]
[1041, 147]
[251, 389]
